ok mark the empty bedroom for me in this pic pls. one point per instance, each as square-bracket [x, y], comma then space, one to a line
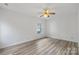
[39, 29]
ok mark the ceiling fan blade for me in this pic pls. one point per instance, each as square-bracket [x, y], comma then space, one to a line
[52, 13]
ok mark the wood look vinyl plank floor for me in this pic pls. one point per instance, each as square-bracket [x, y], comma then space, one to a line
[46, 46]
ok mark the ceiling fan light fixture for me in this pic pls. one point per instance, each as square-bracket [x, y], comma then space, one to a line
[46, 13]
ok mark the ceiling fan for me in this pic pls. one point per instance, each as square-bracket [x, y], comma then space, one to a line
[47, 12]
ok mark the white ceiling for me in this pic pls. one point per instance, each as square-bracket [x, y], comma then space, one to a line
[33, 9]
[36, 7]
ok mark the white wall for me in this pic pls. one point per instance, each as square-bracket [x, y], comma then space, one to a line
[64, 24]
[78, 23]
[19, 24]
[18, 27]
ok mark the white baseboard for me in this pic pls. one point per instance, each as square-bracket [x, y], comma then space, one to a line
[20, 42]
[61, 38]
[34, 39]
[13, 44]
